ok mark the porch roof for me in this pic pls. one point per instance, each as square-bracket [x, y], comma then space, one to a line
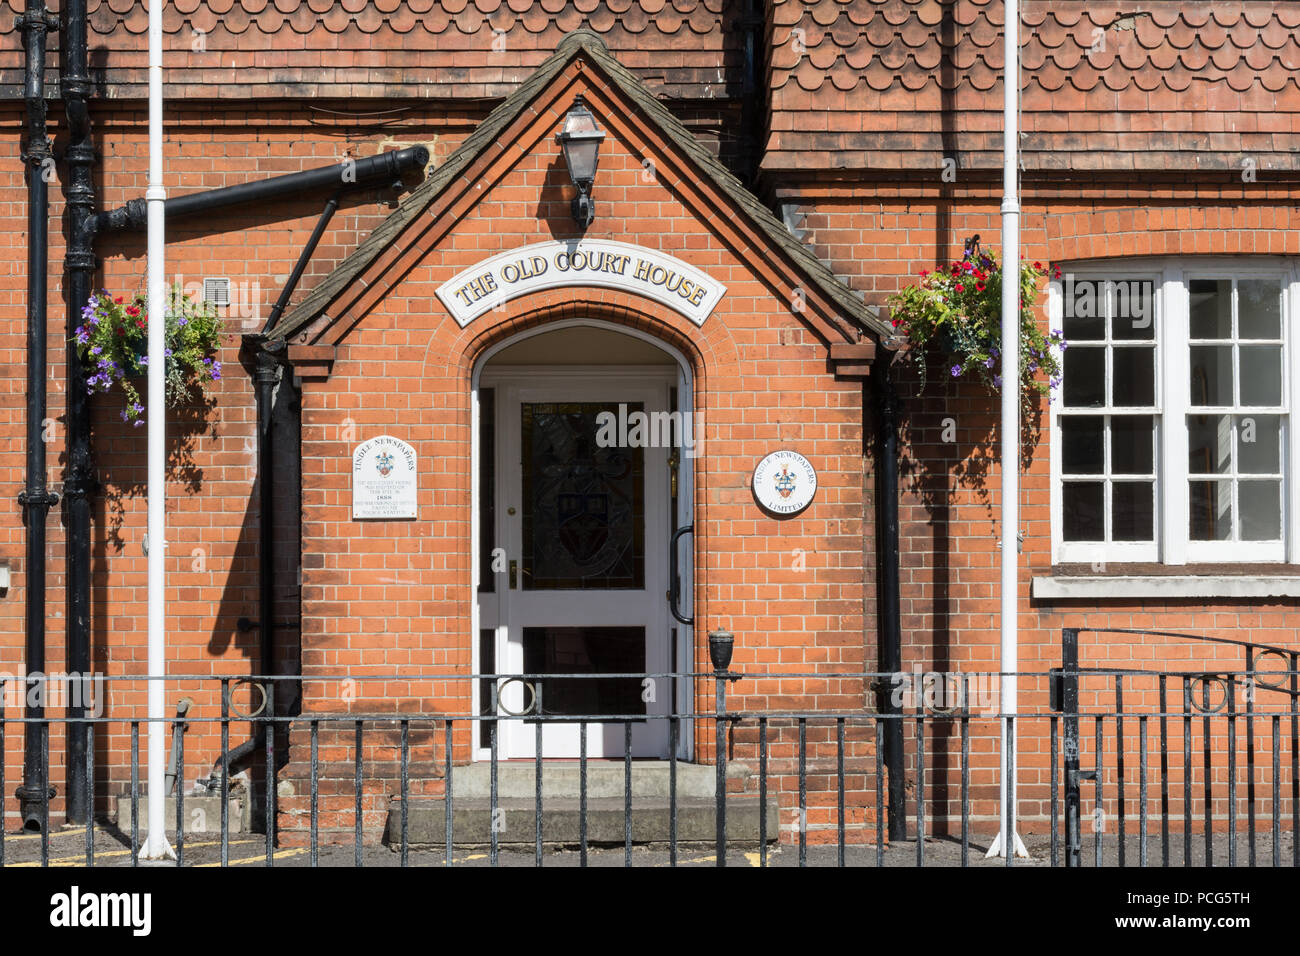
[590, 45]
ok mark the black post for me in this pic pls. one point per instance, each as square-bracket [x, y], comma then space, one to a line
[890, 626]
[1069, 704]
[79, 481]
[721, 644]
[35, 499]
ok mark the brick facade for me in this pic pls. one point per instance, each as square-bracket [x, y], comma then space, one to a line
[854, 134]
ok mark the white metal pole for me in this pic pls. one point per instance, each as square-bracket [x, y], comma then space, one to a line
[156, 846]
[1008, 839]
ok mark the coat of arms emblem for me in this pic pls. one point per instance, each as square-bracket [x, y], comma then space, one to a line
[784, 482]
[384, 463]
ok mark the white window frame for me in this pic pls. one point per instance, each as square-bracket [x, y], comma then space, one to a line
[1172, 545]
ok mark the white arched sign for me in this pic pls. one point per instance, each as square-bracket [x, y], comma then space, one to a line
[580, 262]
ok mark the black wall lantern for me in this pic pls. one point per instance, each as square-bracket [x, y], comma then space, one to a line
[580, 139]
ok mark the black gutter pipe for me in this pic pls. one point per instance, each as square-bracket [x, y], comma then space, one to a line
[36, 500]
[352, 174]
[79, 480]
[890, 625]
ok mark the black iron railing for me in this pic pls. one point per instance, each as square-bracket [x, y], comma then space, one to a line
[1119, 747]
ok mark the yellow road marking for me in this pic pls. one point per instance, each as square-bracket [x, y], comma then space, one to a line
[101, 854]
[261, 857]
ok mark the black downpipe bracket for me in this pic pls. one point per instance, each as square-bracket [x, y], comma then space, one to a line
[79, 479]
[35, 499]
[891, 634]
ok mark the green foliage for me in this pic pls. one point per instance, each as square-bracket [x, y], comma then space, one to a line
[958, 312]
[113, 343]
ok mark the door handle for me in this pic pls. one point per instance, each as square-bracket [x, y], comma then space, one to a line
[514, 574]
[674, 582]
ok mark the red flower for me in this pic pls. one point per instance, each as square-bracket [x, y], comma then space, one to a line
[132, 311]
[979, 286]
[960, 287]
[897, 322]
[118, 300]
[924, 273]
[1038, 266]
[139, 324]
[121, 331]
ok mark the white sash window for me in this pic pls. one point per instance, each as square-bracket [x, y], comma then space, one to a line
[1170, 431]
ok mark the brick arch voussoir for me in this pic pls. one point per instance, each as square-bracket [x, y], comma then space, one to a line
[1166, 231]
[704, 347]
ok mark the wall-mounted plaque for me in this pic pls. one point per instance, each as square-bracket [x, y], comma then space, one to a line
[784, 483]
[384, 479]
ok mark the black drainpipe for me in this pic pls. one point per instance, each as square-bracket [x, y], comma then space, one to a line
[79, 479]
[890, 628]
[35, 499]
[345, 177]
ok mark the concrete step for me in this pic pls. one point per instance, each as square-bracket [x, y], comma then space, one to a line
[516, 820]
[202, 813]
[560, 778]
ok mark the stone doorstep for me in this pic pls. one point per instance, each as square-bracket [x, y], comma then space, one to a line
[561, 778]
[202, 813]
[472, 821]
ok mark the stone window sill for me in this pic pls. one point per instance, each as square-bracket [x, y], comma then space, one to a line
[1118, 582]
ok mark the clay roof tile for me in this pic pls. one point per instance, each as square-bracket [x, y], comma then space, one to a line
[983, 76]
[1086, 77]
[1274, 77]
[1178, 78]
[534, 19]
[1212, 35]
[824, 12]
[569, 19]
[878, 76]
[1101, 59]
[808, 76]
[824, 55]
[1050, 76]
[843, 77]
[845, 33]
[859, 55]
[1241, 77]
[929, 12]
[403, 20]
[602, 19]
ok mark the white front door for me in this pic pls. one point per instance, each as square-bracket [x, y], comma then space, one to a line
[582, 519]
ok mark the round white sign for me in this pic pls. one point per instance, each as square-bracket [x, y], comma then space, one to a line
[785, 482]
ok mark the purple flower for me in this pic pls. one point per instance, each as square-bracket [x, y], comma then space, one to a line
[182, 321]
[988, 362]
[144, 360]
[96, 349]
[138, 422]
[83, 335]
[956, 370]
[216, 370]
